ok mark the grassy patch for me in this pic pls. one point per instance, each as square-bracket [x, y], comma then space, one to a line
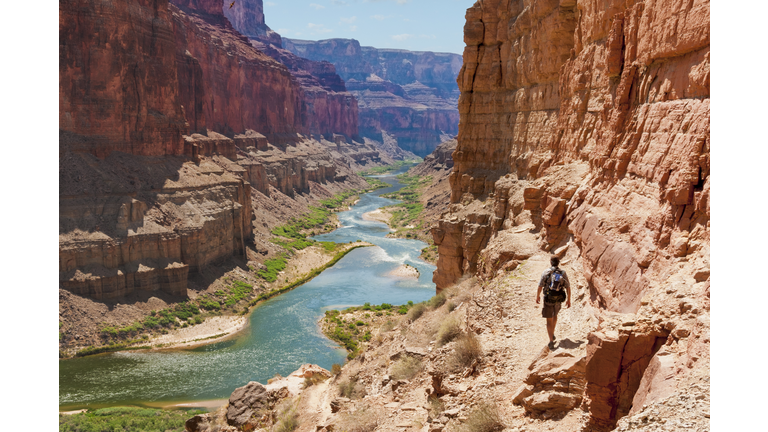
[465, 352]
[351, 389]
[273, 267]
[484, 417]
[126, 419]
[406, 368]
[449, 330]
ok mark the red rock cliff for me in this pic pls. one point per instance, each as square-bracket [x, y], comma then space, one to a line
[236, 87]
[118, 88]
[589, 123]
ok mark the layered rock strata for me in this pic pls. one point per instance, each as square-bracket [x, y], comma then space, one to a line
[588, 124]
[166, 119]
[411, 96]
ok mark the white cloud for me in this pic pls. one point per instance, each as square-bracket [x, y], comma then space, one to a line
[283, 30]
[318, 28]
[402, 37]
[316, 6]
[348, 20]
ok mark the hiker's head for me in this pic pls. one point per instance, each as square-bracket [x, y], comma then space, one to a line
[555, 261]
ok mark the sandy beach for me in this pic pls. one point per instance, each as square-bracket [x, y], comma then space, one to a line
[378, 215]
[405, 271]
[213, 329]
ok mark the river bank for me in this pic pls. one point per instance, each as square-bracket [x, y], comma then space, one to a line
[280, 337]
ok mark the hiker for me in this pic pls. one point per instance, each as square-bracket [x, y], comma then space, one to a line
[555, 284]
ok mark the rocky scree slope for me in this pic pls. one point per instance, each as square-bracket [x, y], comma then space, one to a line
[409, 96]
[588, 125]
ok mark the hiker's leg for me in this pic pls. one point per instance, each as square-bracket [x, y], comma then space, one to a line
[554, 324]
[551, 326]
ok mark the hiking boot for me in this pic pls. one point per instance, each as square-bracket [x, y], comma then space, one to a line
[551, 345]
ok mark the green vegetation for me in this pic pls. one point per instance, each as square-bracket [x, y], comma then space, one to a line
[405, 213]
[375, 183]
[126, 419]
[291, 236]
[273, 267]
[351, 333]
[307, 277]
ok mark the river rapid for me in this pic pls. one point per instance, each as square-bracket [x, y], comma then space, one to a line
[283, 332]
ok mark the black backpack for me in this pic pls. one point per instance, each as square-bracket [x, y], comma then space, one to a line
[554, 288]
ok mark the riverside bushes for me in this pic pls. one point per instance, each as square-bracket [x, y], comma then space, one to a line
[126, 419]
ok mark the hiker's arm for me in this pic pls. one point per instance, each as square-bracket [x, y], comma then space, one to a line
[567, 290]
[538, 295]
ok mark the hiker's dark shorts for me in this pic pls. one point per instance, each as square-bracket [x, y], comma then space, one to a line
[550, 310]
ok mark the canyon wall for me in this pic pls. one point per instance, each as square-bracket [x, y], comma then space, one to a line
[170, 120]
[412, 96]
[117, 90]
[328, 107]
[588, 124]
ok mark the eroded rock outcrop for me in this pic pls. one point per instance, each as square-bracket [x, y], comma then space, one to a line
[587, 125]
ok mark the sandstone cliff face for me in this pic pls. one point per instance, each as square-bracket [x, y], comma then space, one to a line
[239, 87]
[588, 123]
[410, 95]
[116, 89]
[166, 117]
[327, 107]
[247, 16]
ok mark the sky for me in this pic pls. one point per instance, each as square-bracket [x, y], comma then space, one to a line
[416, 25]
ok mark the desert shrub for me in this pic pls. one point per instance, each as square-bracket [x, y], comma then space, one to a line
[437, 301]
[274, 378]
[406, 368]
[484, 417]
[351, 389]
[466, 350]
[362, 420]
[449, 330]
[387, 326]
[451, 306]
[287, 418]
[402, 310]
[336, 369]
[417, 311]
[314, 379]
[436, 406]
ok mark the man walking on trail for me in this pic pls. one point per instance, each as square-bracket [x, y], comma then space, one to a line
[555, 284]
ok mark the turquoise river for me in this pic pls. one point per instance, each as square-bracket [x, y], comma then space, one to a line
[283, 332]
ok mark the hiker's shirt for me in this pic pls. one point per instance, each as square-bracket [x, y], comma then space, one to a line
[545, 277]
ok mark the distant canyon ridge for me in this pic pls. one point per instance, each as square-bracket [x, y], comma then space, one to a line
[406, 97]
